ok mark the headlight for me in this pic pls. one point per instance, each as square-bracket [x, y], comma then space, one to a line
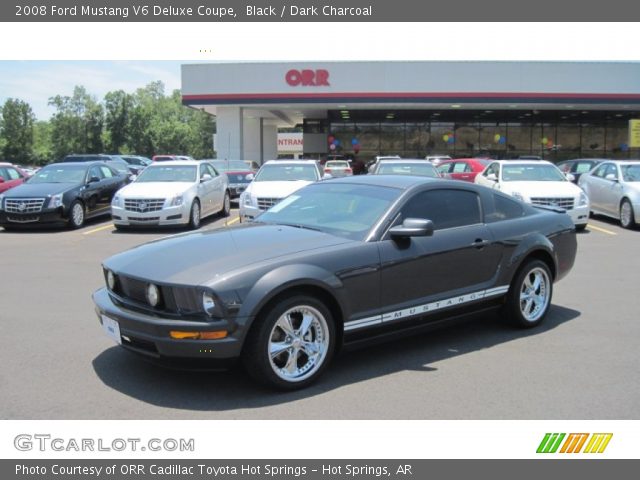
[153, 295]
[518, 196]
[208, 303]
[111, 280]
[117, 201]
[176, 201]
[56, 201]
[1, 201]
[246, 199]
[583, 200]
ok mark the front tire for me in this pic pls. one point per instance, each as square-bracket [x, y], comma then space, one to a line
[194, 215]
[529, 296]
[627, 215]
[289, 346]
[226, 205]
[76, 215]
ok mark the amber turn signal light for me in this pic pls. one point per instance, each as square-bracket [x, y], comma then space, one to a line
[178, 335]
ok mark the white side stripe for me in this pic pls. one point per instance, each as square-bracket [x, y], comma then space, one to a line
[426, 308]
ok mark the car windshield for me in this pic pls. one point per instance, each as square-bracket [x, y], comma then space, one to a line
[422, 169]
[60, 173]
[287, 172]
[630, 173]
[230, 165]
[532, 173]
[168, 173]
[345, 210]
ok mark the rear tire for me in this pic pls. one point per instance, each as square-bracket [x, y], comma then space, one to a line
[290, 345]
[627, 215]
[194, 215]
[529, 296]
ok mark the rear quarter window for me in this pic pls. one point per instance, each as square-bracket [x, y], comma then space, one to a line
[504, 208]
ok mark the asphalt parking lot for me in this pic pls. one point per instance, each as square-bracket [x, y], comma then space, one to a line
[581, 364]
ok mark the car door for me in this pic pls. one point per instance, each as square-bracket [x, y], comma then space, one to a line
[482, 179]
[462, 171]
[593, 183]
[210, 189]
[612, 190]
[95, 194]
[112, 181]
[460, 257]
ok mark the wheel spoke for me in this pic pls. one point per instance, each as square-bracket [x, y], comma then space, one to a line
[527, 282]
[307, 321]
[312, 349]
[285, 324]
[527, 306]
[276, 348]
[292, 363]
[537, 282]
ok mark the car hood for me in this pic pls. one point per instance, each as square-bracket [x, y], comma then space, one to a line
[29, 190]
[276, 189]
[205, 257]
[155, 189]
[542, 189]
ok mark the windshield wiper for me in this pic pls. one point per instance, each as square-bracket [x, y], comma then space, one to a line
[300, 225]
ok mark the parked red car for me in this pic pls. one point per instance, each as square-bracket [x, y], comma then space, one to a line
[464, 169]
[10, 176]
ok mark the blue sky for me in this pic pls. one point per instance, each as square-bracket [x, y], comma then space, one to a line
[36, 81]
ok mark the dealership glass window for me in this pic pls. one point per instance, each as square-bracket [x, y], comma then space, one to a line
[518, 139]
[417, 135]
[344, 132]
[315, 126]
[392, 138]
[617, 140]
[368, 135]
[493, 138]
[442, 139]
[593, 140]
[466, 139]
[567, 141]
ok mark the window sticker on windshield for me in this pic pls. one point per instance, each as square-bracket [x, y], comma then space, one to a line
[284, 203]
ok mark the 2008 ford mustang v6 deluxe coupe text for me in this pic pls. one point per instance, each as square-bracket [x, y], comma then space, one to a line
[337, 263]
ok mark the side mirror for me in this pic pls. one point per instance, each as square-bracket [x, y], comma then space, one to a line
[94, 179]
[570, 177]
[413, 227]
[205, 178]
[492, 177]
[250, 177]
[611, 176]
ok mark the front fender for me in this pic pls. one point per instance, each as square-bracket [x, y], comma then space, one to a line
[285, 277]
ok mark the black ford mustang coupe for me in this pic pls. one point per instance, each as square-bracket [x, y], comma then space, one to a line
[338, 263]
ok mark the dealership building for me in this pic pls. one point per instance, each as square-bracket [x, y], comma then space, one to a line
[557, 110]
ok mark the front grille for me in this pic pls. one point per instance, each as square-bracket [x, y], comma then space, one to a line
[146, 219]
[143, 205]
[563, 202]
[25, 219]
[23, 205]
[265, 203]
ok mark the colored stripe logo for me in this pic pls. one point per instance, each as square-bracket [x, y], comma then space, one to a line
[574, 443]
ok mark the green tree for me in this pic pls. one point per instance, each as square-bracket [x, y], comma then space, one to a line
[77, 125]
[17, 131]
[118, 105]
[43, 148]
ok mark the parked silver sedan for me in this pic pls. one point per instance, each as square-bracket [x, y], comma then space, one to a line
[613, 187]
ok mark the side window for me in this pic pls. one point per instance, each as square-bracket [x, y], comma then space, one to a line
[106, 172]
[504, 209]
[445, 208]
[460, 167]
[4, 174]
[212, 170]
[13, 174]
[565, 167]
[95, 172]
[599, 172]
[611, 170]
[206, 169]
[446, 168]
[493, 168]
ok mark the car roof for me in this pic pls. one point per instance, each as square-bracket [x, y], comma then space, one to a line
[421, 161]
[84, 164]
[396, 181]
[175, 163]
[293, 162]
[523, 162]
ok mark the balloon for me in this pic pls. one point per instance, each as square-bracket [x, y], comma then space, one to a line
[451, 139]
[336, 142]
[354, 141]
[356, 148]
[544, 140]
[331, 138]
[550, 143]
[445, 138]
[332, 146]
[502, 140]
[496, 137]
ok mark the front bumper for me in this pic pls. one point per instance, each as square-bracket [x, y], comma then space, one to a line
[248, 212]
[48, 216]
[235, 189]
[148, 335]
[167, 216]
[579, 215]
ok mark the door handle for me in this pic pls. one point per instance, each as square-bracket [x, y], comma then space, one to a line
[480, 243]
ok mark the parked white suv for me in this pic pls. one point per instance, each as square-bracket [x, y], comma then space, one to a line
[539, 183]
[172, 193]
[276, 180]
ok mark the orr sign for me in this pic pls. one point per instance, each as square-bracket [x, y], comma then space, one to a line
[307, 78]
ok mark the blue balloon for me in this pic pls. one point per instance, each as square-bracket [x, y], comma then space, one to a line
[502, 140]
[354, 141]
[336, 142]
[451, 139]
[624, 147]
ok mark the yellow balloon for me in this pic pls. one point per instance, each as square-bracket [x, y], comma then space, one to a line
[496, 137]
[445, 137]
[544, 140]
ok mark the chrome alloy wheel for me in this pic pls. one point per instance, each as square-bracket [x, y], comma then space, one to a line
[534, 294]
[626, 214]
[298, 343]
[77, 214]
[195, 215]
